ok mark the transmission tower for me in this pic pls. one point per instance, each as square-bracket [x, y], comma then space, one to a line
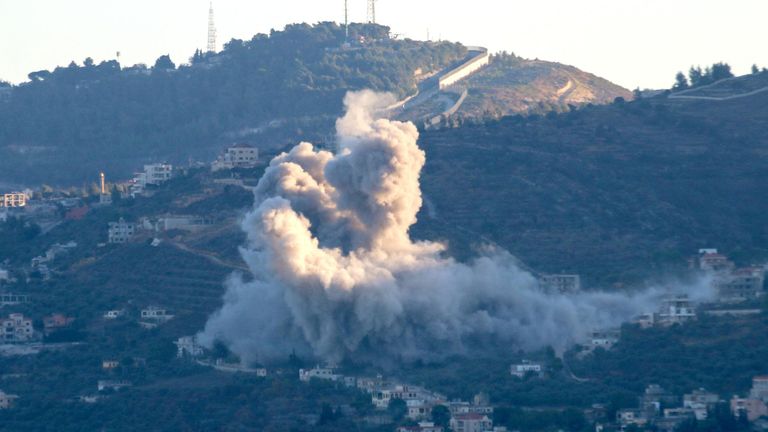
[211, 31]
[372, 11]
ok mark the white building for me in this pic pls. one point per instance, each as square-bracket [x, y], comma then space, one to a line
[604, 339]
[153, 174]
[421, 427]
[187, 346]
[13, 299]
[5, 276]
[521, 369]
[471, 423]
[15, 199]
[237, 156]
[700, 402]
[112, 385]
[676, 310]
[184, 222]
[6, 400]
[121, 231]
[16, 329]
[113, 314]
[325, 373]
[560, 283]
[153, 316]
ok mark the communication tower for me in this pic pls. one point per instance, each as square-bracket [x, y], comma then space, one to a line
[211, 30]
[372, 11]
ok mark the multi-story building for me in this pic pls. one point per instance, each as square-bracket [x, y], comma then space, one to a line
[701, 402]
[741, 285]
[187, 346]
[604, 339]
[237, 156]
[17, 329]
[13, 299]
[15, 199]
[153, 174]
[121, 231]
[676, 310]
[155, 314]
[711, 260]
[560, 283]
[56, 322]
[759, 388]
[753, 409]
[471, 422]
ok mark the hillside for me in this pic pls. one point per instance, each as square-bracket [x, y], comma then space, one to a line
[511, 85]
[615, 192]
[66, 125]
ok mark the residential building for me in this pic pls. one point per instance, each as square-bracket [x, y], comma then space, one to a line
[7, 400]
[121, 231]
[414, 395]
[604, 339]
[627, 417]
[759, 388]
[187, 346]
[56, 322]
[672, 419]
[14, 199]
[741, 285]
[560, 283]
[112, 385]
[753, 409]
[701, 402]
[655, 399]
[421, 427]
[9, 299]
[5, 276]
[17, 329]
[325, 373]
[153, 174]
[711, 260]
[153, 315]
[237, 156]
[113, 314]
[676, 310]
[645, 320]
[520, 370]
[471, 422]
[110, 364]
[184, 222]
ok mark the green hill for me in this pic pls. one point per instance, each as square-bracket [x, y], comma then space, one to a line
[616, 192]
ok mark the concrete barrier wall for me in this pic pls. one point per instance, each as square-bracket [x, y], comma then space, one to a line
[473, 65]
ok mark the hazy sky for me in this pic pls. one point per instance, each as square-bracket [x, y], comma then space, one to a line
[631, 42]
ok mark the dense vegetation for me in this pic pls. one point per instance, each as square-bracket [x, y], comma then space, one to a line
[617, 193]
[67, 124]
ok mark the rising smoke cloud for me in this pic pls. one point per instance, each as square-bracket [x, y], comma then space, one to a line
[335, 273]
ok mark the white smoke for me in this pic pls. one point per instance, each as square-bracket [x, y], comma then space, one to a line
[336, 273]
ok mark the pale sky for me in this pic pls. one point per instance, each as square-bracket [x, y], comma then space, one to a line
[635, 43]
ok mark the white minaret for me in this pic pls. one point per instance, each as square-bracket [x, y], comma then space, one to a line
[211, 31]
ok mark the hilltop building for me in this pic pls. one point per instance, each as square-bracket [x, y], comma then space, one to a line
[237, 156]
[15, 199]
[741, 285]
[325, 373]
[9, 299]
[471, 423]
[153, 175]
[700, 402]
[153, 316]
[56, 322]
[120, 231]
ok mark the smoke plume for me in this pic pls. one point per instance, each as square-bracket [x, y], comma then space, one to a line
[335, 273]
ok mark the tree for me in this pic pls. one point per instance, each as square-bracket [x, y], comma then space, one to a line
[755, 69]
[681, 82]
[441, 416]
[695, 74]
[164, 62]
[397, 409]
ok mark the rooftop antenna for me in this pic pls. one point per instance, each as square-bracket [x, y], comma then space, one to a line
[372, 11]
[211, 30]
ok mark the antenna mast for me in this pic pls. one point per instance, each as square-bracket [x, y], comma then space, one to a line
[211, 30]
[372, 11]
[346, 20]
